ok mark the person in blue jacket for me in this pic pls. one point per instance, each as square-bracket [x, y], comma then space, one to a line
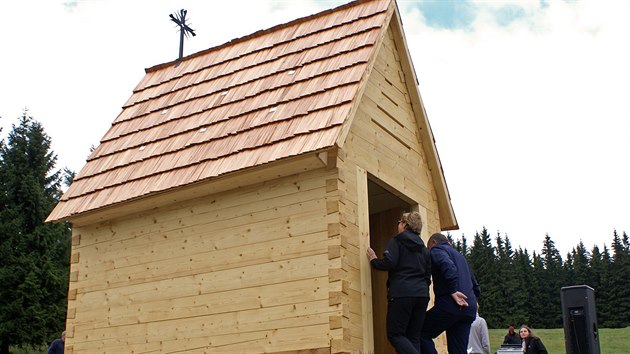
[407, 261]
[56, 347]
[456, 291]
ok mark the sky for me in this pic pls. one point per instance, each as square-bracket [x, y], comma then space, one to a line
[529, 101]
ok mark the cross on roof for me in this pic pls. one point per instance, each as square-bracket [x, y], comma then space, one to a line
[184, 30]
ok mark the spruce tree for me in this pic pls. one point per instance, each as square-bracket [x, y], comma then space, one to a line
[464, 246]
[482, 262]
[619, 300]
[524, 298]
[604, 308]
[538, 298]
[552, 280]
[509, 306]
[580, 266]
[34, 256]
[596, 278]
[567, 266]
[460, 245]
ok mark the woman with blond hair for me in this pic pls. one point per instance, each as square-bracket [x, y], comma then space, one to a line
[531, 344]
[408, 263]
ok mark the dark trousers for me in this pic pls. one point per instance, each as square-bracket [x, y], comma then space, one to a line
[405, 316]
[457, 329]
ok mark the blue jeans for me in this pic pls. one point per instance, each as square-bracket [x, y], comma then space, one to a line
[405, 317]
[457, 329]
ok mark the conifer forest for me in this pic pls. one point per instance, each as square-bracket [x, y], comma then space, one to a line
[519, 287]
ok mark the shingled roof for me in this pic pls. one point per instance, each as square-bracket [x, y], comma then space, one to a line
[275, 94]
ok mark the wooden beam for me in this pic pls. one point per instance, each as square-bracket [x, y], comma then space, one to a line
[366, 270]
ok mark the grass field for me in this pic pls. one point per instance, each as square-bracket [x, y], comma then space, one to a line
[611, 341]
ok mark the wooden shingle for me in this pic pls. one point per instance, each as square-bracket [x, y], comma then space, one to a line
[277, 93]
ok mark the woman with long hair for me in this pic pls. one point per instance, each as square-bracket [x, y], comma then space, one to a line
[531, 343]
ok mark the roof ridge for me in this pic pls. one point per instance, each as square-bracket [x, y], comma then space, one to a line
[259, 33]
[253, 65]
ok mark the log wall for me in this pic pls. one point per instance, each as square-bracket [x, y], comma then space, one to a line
[243, 271]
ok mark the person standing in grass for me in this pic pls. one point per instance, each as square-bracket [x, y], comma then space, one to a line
[56, 347]
[479, 339]
[531, 344]
[511, 337]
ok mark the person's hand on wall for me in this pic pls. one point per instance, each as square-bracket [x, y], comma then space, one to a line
[370, 254]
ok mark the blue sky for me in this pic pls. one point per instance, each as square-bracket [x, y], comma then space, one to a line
[461, 15]
[447, 14]
[528, 100]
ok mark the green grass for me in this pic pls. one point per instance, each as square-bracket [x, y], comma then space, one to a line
[611, 341]
[28, 350]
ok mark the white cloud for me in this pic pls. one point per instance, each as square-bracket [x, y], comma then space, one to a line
[529, 119]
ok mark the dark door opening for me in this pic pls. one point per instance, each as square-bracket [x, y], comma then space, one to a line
[385, 210]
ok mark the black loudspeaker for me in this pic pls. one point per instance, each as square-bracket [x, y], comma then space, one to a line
[579, 317]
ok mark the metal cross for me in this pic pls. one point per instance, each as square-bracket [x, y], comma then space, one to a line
[184, 30]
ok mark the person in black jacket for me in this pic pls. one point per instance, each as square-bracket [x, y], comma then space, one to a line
[456, 291]
[531, 343]
[407, 261]
[511, 337]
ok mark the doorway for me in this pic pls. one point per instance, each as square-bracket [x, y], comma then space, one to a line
[385, 209]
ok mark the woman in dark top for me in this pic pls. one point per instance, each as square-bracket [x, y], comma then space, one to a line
[408, 263]
[531, 343]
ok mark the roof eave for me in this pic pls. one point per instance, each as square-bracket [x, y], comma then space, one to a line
[236, 179]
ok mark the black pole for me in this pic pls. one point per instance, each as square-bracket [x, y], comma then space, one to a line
[181, 44]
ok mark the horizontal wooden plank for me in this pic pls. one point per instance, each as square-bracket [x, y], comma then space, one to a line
[400, 127]
[207, 283]
[378, 77]
[279, 193]
[399, 112]
[376, 151]
[281, 339]
[293, 248]
[264, 307]
[200, 239]
[391, 168]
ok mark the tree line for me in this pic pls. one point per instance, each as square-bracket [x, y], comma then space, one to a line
[522, 288]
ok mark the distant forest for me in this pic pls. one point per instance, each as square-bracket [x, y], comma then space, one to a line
[522, 288]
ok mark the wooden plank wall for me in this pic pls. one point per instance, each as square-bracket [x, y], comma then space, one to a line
[257, 269]
[384, 140]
